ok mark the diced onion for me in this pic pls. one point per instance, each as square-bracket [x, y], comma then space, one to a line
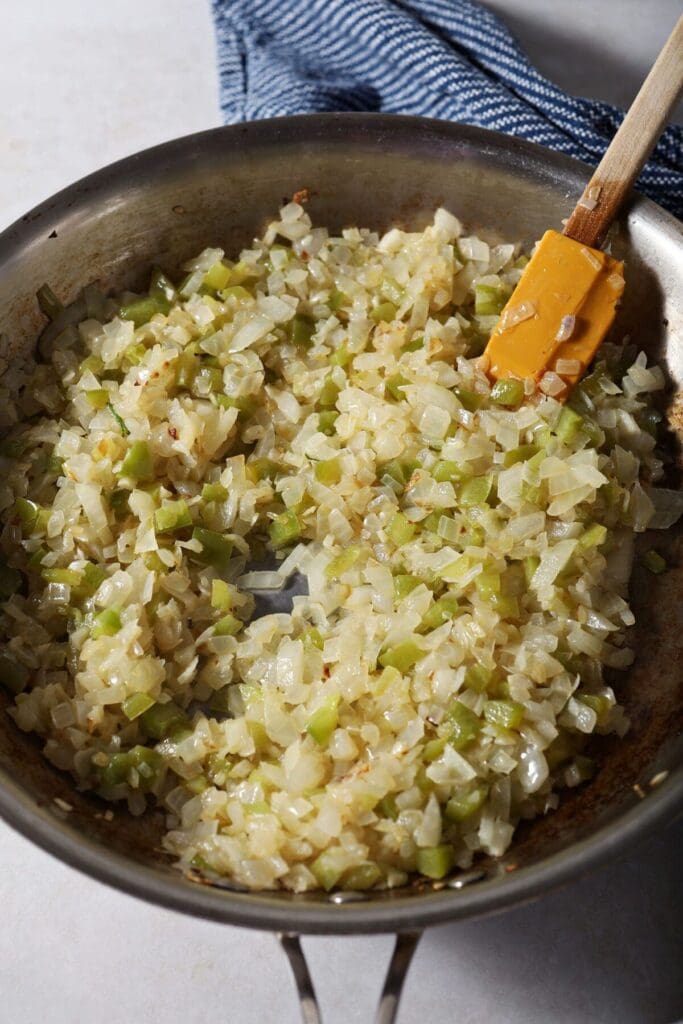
[551, 384]
[261, 580]
[566, 328]
[591, 258]
[568, 367]
[514, 315]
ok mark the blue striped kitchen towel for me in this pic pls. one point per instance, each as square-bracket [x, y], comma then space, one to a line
[451, 59]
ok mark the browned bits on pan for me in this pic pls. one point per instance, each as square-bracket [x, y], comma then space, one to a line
[178, 209]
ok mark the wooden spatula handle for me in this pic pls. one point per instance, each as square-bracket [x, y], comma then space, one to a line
[632, 144]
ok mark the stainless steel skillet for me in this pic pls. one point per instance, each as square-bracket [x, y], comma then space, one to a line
[219, 187]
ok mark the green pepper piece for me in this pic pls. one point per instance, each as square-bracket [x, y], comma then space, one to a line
[207, 381]
[138, 463]
[301, 330]
[508, 392]
[214, 492]
[464, 725]
[488, 299]
[97, 398]
[387, 807]
[521, 454]
[385, 312]
[161, 719]
[399, 470]
[71, 577]
[400, 530]
[404, 584]
[463, 806]
[140, 310]
[402, 656]
[92, 364]
[186, 366]
[219, 701]
[530, 564]
[237, 292]
[312, 638]
[326, 421]
[162, 290]
[336, 300]
[172, 516]
[341, 356]
[285, 529]
[258, 469]
[326, 869]
[568, 425]
[136, 705]
[507, 713]
[475, 491]
[343, 562]
[217, 276]
[227, 626]
[415, 344]
[594, 536]
[328, 393]
[448, 471]
[362, 877]
[391, 290]
[324, 721]
[478, 678]
[196, 785]
[487, 585]
[221, 595]
[599, 704]
[469, 400]
[91, 577]
[435, 861]
[328, 471]
[216, 549]
[433, 750]
[441, 611]
[106, 623]
[115, 772]
[33, 517]
[394, 386]
[148, 763]
[118, 502]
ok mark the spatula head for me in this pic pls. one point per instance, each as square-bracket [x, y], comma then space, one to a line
[561, 310]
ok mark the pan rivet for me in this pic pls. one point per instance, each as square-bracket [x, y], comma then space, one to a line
[466, 879]
[347, 897]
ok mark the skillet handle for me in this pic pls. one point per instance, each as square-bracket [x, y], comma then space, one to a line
[404, 948]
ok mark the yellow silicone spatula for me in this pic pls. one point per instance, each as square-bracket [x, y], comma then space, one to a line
[567, 297]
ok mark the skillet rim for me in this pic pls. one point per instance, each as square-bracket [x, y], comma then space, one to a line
[263, 910]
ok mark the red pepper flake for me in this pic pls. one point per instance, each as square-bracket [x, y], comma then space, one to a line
[302, 196]
[173, 432]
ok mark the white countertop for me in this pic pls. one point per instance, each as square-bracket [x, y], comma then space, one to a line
[84, 84]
